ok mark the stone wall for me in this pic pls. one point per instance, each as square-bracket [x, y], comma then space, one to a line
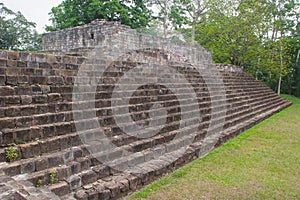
[64, 115]
[84, 38]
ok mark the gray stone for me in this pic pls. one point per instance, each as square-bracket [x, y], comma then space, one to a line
[74, 182]
[27, 167]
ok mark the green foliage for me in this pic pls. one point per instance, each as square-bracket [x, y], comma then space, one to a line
[16, 33]
[262, 36]
[52, 176]
[72, 13]
[11, 154]
[39, 182]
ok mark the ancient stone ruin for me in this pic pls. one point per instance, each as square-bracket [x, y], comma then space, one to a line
[105, 110]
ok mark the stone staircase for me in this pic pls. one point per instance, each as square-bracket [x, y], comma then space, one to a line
[60, 151]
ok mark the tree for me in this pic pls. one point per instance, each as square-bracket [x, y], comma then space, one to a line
[195, 10]
[170, 13]
[72, 13]
[260, 35]
[16, 33]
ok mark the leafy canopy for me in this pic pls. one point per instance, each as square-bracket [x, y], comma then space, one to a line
[70, 13]
[16, 33]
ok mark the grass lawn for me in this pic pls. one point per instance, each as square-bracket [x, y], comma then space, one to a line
[261, 163]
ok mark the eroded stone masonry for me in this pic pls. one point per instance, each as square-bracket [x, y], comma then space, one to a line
[72, 118]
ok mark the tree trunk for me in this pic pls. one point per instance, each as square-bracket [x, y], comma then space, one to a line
[165, 27]
[165, 20]
[257, 68]
[289, 84]
[297, 76]
[279, 84]
[193, 33]
[281, 67]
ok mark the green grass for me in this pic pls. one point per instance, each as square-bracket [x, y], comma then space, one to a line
[261, 163]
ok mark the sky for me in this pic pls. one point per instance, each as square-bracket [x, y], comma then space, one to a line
[33, 10]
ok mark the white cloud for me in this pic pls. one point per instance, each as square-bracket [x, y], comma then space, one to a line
[33, 10]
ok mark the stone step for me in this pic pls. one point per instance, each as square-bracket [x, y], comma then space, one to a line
[43, 162]
[56, 140]
[55, 99]
[40, 119]
[13, 189]
[259, 116]
[60, 144]
[111, 188]
[255, 111]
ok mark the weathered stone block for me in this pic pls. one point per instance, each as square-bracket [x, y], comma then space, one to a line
[2, 112]
[11, 63]
[69, 59]
[68, 156]
[74, 182]
[124, 187]
[22, 135]
[49, 131]
[12, 111]
[13, 195]
[32, 64]
[26, 99]
[93, 194]
[7, 136]
[23, 79]
[6, 90]
[23, 90]
[41, 164]
[69, 80]
[42, 80]
[36, 132]
[2, 80]
[27, 167]
[75, 167]
[104, 194]
[114, 188]
[54, 97]
[45, 65]
[102, 171]
[3, 63]
[88, 176]
[55, 160]
[12, 71]
[40, 119]
[42, 108]
[24, 121]
[2, 70]
[60, 189]
[39, 99]
[39, 57]
[30, 150]
[63, 129]
[63, 172]
[7, 123]
[24, 56]
[84, 163]
[77, 152]
[13, 169]
[12, 55]
[81, 195]
[21, 64]
[11, 80]
[3, 54]
[133, 181]
[45, 89]
[10, 100]
[50, 58]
